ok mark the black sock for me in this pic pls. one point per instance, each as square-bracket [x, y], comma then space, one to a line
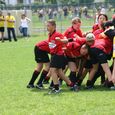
[47, 78]
[110, 84]
[89, 83]
[51, 84]
[56, 86]
[79, 82]
[34, 77]
[73, 77]
[42, 77]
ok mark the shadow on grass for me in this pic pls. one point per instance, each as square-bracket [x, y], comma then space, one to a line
[65, 89]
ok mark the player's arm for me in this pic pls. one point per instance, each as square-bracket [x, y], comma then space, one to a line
[64, 40]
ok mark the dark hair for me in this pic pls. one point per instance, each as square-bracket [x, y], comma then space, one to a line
[23, 15]
[104, 16]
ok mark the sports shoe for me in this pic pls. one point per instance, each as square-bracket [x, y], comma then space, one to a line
[40, 86]
[75, 88]
[30, 86]
[112, 88]
[89, 87]
[51, 87]
[54, 91]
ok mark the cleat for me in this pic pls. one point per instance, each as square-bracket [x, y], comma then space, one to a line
[112, 88]
[74, 88]
[53, 91]
[40, 86]
[89, 87]
[45, 82]
[30, 86]
[51, 87]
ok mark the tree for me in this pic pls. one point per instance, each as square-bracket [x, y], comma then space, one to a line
[86, 1]
[2, 2]
[112, 2]
[63, 1]
[52, 1]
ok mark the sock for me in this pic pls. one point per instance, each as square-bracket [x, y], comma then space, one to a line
[78, 76]
[60, 81]
[47, 78]
[34, 77]
[72, 77]
[79, 82]
[110, 84]
[42, 77]
[89, 83]
[51, 84]
[56, 86]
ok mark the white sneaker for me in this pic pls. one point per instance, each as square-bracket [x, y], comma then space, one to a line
[112, 88]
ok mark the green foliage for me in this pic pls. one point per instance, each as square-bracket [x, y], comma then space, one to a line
[52, 1]
[86, 1]
[2, 2]
[112, 2]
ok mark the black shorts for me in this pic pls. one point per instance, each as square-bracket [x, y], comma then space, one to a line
[110, 33]
[88, 64]
[97, 56]
[58, 61]
[1, 29]
[41, 56]
[69, 59]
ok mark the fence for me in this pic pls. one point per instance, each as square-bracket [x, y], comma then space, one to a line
[63, 14]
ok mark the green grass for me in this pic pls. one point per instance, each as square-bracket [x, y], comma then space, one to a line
[16, 67]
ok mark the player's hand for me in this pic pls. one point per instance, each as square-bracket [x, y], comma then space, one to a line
[58, 38]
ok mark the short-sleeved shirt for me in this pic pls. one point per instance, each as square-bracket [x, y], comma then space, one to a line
[10, 24]
[55, 46]
[95, 27]
[2, 21]
[43, 45]
[97, 33]
[103, 44]
[81, 40]
[73, 49]
[71, 33]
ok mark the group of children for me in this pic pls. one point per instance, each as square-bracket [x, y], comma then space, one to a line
[79, 52]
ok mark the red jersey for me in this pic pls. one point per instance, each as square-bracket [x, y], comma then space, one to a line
[103, 44]
[43, 45]
[97, 33]
[72, 33]
[73, 49]
[95, 27]
[80, 40]
[55, 46]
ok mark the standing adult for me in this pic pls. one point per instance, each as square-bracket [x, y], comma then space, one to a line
[24, 25]
[11, 26]
[2, 19]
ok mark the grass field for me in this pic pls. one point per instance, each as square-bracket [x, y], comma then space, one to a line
[16, 67]
[17, 64]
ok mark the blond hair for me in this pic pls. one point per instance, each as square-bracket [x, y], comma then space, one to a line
[75, 20]
[52, 22]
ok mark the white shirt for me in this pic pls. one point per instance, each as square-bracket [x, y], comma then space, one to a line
[24, 22]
